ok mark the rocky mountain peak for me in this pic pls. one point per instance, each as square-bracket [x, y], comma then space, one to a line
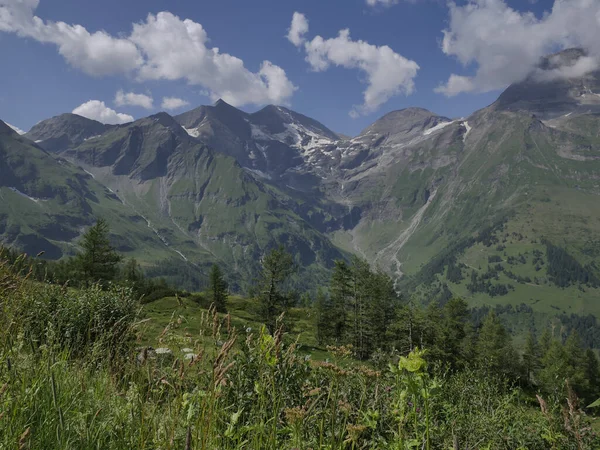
[566, 82]
[5, 129]
[404, 121]
[278, 119]
[65, 130]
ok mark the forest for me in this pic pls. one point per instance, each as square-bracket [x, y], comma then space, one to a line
[391, 373]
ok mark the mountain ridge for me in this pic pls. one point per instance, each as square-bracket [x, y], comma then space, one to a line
[413, 193]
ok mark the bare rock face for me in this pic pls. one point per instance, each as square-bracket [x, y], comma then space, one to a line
[557, 87]
[65, 131]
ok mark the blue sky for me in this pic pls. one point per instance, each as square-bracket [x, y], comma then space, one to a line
[50, 67]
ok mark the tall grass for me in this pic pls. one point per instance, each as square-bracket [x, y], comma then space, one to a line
[71, 378]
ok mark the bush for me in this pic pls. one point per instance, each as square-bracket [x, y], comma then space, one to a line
[77, 321]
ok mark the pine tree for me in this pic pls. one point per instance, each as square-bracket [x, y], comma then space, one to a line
[360, 297]
[98, 262]
[381, 310]
[453, 332]
[592, 375]
[277, 266]
[217, 288]
[576, 363]
[545, 341]
[324, 317]
[340, 295]
[494, 350]
[531, 357]
[555, 368]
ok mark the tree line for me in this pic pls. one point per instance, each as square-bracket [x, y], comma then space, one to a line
[359, 309]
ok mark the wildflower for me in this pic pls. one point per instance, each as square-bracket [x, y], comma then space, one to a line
[294, 415]
[329, 366]
[343, 351]
[314, 392]
[354, 433]
[369, 373]
[344, 406]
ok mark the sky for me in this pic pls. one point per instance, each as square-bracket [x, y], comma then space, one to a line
[342, 62]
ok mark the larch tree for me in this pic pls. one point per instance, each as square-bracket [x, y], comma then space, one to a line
[277, 266]
[98, 262]
[217, 288]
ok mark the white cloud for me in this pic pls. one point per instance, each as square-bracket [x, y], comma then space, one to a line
[298, 29]
[176, 49]
[387, 73]
[96, 53]
[18, 130]
[133, 99]
[382, 2]
[387, 3]
[173, 103]
[97, 110]
[162, 47]
[506, 45]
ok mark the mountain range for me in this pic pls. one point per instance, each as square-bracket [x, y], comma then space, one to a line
[487, 207]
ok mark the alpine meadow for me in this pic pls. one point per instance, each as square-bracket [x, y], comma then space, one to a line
[238, 275]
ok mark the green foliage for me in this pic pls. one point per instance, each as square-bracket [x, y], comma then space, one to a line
[217, 288]
[60, 387]
[277, 266]
[564, 270]
[494, 349]
[360, 309]
[98, 261]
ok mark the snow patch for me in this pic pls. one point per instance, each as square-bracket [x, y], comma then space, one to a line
[194, 132]
[38, 141]
[91, 137]
[17, 129]
[438, 127]
[16, 191]
[258, 133]
[181, 254]
[259, 173]
[468, 127]
[90, 174]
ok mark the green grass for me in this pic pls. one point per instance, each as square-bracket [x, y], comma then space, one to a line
[185, 317]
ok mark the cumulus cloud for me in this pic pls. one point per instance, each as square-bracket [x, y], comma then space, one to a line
[298, 29]
[18, 130]
[506, 45]
[386, 3]
[96, 53]
[133, 99]
[386, 72]
[97, 110]
[382, 2]
[164, 47]
[176, 49]
[173, 103]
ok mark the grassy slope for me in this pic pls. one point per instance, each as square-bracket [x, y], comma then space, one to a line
[170, 310]
[543, 184]
[63, 201]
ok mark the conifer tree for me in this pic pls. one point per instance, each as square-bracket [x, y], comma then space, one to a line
[545, 341]
[98, 262]
[217, 288]
[494, 349]
[592, 375]
[531, 356]
[340, 295]
[453, 329]
[324, 317]
[277, 266]
[554, 371]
